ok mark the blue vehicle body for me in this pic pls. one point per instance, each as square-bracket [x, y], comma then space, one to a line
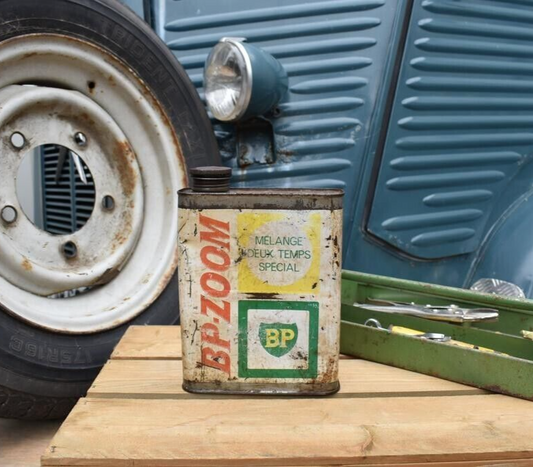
[422, 111]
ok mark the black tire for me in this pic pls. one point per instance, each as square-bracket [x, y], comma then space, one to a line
[43, 373]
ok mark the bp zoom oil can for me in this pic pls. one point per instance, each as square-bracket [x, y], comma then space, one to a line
[259, 278]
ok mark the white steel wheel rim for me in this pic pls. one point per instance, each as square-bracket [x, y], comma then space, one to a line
[73, 65]
[34, 260]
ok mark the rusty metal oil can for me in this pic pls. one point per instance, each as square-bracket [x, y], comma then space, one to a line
[259, 278]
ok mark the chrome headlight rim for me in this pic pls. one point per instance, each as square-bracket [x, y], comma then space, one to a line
[243, 104]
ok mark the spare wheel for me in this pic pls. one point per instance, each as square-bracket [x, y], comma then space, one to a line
[91, 78]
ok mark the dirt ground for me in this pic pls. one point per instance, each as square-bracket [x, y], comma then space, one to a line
[22, 443]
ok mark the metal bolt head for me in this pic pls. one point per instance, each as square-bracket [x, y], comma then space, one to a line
[69, 250]
[17, 140]
[9, 214]
[80, 139]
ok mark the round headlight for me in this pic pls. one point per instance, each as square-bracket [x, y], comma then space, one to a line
[228, 80]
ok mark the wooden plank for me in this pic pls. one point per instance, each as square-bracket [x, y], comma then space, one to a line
[498, 463]
[149, 342]
[484, 463]
[289, 432]
[152, 379]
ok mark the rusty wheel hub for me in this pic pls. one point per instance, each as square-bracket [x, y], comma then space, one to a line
[32, 258]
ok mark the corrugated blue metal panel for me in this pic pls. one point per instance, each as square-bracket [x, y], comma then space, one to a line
[135, 5]
[336, 53]
[461, 125]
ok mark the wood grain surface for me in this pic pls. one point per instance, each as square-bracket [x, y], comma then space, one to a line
[326, 431]
[137, 414]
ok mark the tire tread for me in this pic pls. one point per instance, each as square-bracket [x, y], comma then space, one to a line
[23, 406]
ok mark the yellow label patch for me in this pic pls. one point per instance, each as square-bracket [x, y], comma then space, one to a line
[280, 252]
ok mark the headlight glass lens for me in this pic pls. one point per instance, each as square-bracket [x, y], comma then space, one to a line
[227, 83]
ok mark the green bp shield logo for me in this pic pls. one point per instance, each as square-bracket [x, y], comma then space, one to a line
[278, 339]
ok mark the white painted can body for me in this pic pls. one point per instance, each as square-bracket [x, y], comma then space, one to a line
[260, 290]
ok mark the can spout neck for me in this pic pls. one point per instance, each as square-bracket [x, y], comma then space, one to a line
[210, 179]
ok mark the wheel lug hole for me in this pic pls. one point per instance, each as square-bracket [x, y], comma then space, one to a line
[108, 203]
[9, 214]
[69, 250]
[17, 140]
[80, 139]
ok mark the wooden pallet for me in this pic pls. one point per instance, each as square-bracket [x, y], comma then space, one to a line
[137, 414]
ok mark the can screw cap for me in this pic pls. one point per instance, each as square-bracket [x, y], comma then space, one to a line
[210, 179]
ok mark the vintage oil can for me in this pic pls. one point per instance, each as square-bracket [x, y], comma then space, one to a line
[259, 277]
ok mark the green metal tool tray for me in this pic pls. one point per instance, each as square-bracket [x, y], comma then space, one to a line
[510, 374]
